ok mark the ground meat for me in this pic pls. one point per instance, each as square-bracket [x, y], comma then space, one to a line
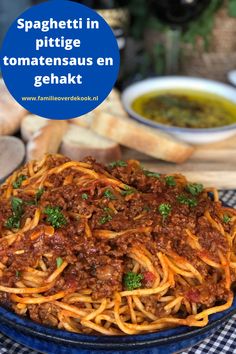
[100, 262]
[5, 300]
[207, 294]
[48, 314]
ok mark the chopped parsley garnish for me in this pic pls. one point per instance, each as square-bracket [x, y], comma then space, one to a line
[105, 218]
[146, 208]
[194, 188]
[119, 163]
[13, 222]
[151, 174]
[18, 273]
[17, 206]
[182, 199]
[109, 195]
[164, 209]
[132, 280]
[107, 210]
[128, 190]
[37, 197]
[39, 194]
[59, 261]
[55, 216]
[226, 219]
[84, 196]
[19, 181]
[170, 181]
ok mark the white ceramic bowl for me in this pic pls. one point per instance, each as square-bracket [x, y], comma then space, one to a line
[191, 135]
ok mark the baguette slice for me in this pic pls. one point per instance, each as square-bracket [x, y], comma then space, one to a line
[83, 121]
[111, 104]
[152, 142]
[112, 121]
[31, 123]
[11, 113]
[79, 142]
[46, 140]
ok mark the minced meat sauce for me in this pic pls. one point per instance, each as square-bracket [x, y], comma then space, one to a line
[162, 203]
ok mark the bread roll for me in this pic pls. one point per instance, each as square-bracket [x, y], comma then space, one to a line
[30, 125]
[12, 154]
[79, 142]
[46, 140]
[11, 113]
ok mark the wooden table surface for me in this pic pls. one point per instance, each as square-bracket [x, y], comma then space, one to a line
[212, 165]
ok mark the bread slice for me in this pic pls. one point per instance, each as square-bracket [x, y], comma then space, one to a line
[134, 135]
[30, 125]
[46, 140]
[111, 103]
[11, 113]
[83, 121]
[79, 142]
[113, 122]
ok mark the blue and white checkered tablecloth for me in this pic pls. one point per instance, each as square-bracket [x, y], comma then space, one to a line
[223, 341]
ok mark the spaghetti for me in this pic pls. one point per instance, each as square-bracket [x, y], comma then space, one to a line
[113, 249]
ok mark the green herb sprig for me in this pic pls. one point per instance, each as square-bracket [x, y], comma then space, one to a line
[127, 191]
[132, 280]
[151, 174]
[59, 261]
[39, 194]
[194, 188]
[107, 217]
[37, 197]
[18, 273]
[164, 209]
[226, 219]
[119, 163]
[170, 181]
[109, 195]
[18, 181]
[182, 199]
[55, 217]
[13, 222]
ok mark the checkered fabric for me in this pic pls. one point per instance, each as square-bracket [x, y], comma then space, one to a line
[223, 341]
